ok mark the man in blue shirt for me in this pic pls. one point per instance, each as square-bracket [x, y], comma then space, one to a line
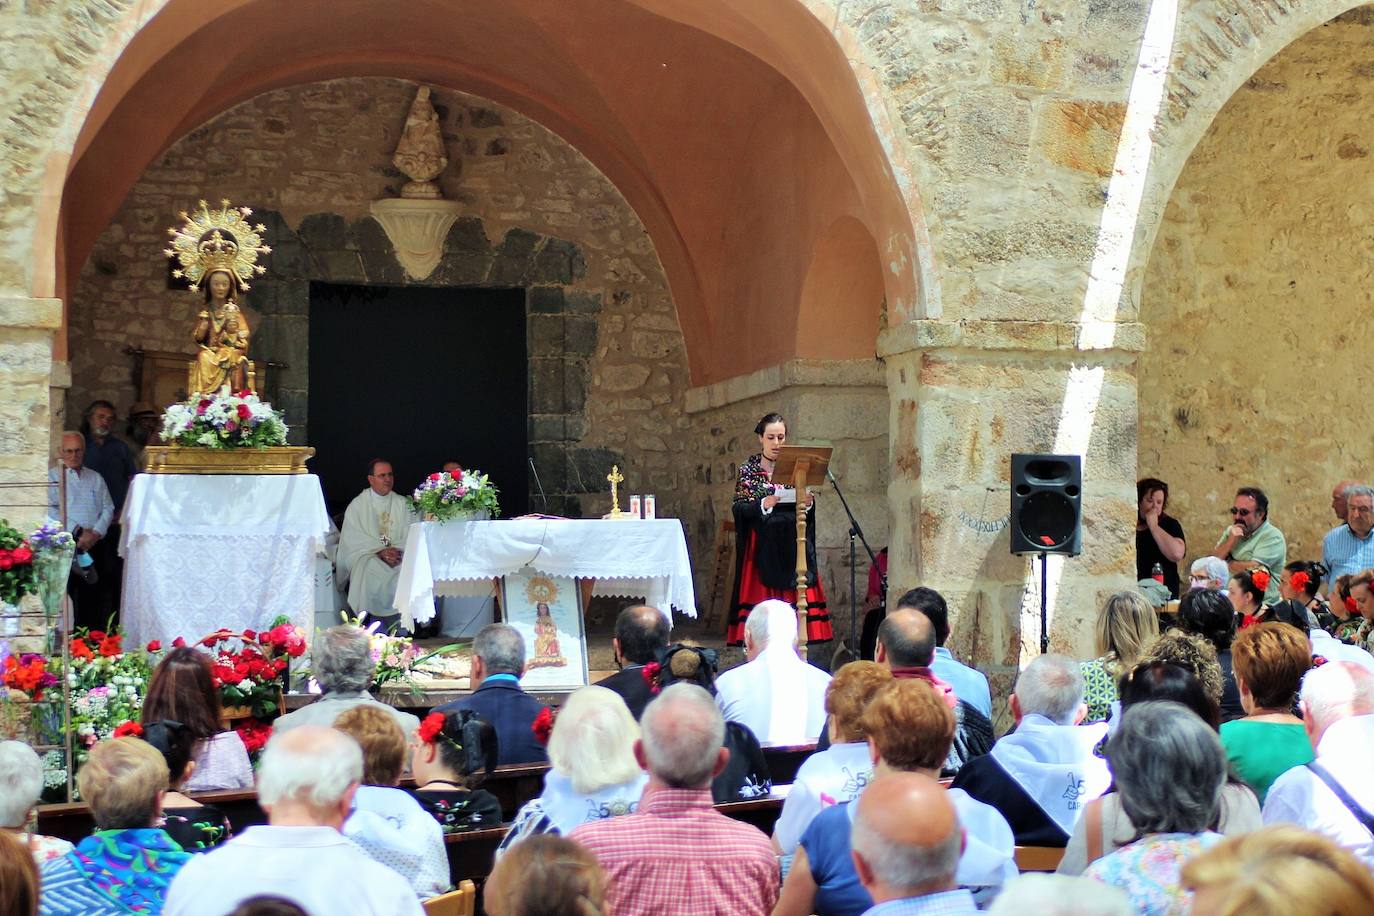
[970, 684]
[1349, 548]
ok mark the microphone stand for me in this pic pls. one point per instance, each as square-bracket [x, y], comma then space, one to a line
[855, 532]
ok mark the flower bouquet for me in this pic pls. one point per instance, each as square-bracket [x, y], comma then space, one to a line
[446, 495]
[398, 660]
[53, 550]
[106, 685]
[247, 672]
[16, 566]
[224, 421]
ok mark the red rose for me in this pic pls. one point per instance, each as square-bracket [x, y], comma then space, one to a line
[179, 643]
[543, 725]
[210, 640]
[244, 412]
[435, 476]
[154, 646]
[431, 727]
[250, 635]
[22, 554]
[6, 560]
[97, 635]
[129, 729]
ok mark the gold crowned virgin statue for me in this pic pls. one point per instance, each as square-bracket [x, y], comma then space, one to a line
[218, 252]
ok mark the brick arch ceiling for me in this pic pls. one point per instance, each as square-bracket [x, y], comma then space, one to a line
[735, 169]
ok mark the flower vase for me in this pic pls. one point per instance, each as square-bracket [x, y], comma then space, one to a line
[52, 568]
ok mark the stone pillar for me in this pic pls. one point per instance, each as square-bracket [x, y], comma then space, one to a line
[27, 327]
[963, 397]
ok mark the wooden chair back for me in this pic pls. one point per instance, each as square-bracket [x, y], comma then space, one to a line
[460, 902]
[1038, 858]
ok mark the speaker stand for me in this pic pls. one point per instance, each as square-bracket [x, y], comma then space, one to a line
[1044, 603]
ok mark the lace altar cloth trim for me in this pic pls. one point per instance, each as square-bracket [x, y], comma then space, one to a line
[626, 558]
[192, 584]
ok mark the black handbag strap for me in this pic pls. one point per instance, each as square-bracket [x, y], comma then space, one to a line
[1364, 817]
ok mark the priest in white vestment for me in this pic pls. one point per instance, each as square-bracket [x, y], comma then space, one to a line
[368, 562]
[779, 697]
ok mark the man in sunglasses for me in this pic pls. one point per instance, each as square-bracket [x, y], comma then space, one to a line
[1251, 542]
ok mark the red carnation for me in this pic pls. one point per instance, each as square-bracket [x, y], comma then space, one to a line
[1299, 581]
[21, 555]
[543, 725]
[179, 643]
[650, 674]
[431, 727]
[1261, 579]
[154, 646]
[110, 646]
[81, 650]
[129, 729]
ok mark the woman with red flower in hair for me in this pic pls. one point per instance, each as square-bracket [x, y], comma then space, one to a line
[1246, 591]
[1299, 584]
[449, 751]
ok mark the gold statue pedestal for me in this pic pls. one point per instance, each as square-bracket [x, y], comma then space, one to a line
[180, 459]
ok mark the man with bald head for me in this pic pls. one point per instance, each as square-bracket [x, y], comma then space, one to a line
[907, 842]
[776, 695]
[306, 784]
[677, 854]
[90, 513]
[640, 632]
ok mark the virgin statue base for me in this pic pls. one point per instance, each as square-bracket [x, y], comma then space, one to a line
[178, 459]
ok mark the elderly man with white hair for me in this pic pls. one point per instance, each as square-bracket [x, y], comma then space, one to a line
[1042, 775]
[779, 697]
[306, 785]
[1210, 573]
[21, 783]
[341, 659]
[1333, 794]
[677, 854]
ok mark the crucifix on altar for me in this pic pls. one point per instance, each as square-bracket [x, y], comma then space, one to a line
[801, 466]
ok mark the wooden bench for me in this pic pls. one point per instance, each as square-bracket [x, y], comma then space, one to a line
[1038, 858]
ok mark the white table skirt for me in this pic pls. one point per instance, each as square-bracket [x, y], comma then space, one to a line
[636, 558]
[205, 551]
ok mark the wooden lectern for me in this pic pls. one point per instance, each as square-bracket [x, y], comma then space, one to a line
[801, 466]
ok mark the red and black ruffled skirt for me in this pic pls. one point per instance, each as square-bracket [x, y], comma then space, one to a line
[752, 591]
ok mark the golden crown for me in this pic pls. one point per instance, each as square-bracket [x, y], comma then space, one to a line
[541, 588]
[211, 240]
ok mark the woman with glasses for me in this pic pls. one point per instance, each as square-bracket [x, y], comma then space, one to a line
[1159, 537]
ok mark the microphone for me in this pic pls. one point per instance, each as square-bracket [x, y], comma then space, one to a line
[542, 497]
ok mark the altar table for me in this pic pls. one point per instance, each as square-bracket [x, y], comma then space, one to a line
[204, 551]
[627, 558]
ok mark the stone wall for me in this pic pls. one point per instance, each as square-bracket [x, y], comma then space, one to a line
[1257, 296]
[607, 364]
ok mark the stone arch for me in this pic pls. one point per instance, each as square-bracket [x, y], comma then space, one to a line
[841, 293]
[1218, 47]
[835, 156]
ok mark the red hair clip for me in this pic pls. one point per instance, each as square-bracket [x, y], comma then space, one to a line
[1260, 578]
[1299, 581]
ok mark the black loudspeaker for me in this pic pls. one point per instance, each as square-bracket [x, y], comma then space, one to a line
[1046, 504]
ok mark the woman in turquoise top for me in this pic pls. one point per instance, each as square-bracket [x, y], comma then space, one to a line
[1269, 660]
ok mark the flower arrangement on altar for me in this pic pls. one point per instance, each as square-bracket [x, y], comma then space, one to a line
[445, 495]
[223, 421]
[249, 668]
[399, 662]
[16, 565]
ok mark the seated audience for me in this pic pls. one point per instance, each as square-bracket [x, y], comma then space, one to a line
[1169, 769]
[746, 772]
[1344, 610]
[387, 822]
[1040, 776]
[21, 785]
[1299, 586]
[18, 877]
[498, 663]
[549, 875]
[1349, 547]
[970, 684]
[1059, 895]
[1362, 596]
[593, 773]
[909, 728]
[127, 865]
[1270, 660]
[640, 632]
[450, 749]
[840, 772]
[306, 781]
[1333, 794]
[1277, 871]
[194, 826]
[677, 854]
[182, 689]
[1198, 653]
[1247, 590]
[1208, 573]
[341, 662]
[907, 841]
[776, 695]
[1104, 825]
[1126, 626]
[1327, 648]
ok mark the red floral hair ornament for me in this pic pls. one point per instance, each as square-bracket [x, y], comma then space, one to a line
[130, 729]
[431, 727]
[1299, 581]
[1260, 578]
[1350, 606]
[650, 674]
[542, 726]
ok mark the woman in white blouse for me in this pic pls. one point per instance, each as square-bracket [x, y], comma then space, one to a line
[182, 689]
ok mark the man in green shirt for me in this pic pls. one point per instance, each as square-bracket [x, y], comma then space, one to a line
[1251, 542]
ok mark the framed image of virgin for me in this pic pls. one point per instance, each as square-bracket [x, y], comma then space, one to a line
[547, 610]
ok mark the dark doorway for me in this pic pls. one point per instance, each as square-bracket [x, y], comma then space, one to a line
[419, 376]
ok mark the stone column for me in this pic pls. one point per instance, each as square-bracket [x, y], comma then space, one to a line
[964, 396]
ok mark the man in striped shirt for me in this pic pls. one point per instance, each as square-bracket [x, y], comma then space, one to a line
[677, 854]
[1349, 548]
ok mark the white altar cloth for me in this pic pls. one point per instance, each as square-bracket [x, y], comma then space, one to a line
[626, 558]
[207, 551]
